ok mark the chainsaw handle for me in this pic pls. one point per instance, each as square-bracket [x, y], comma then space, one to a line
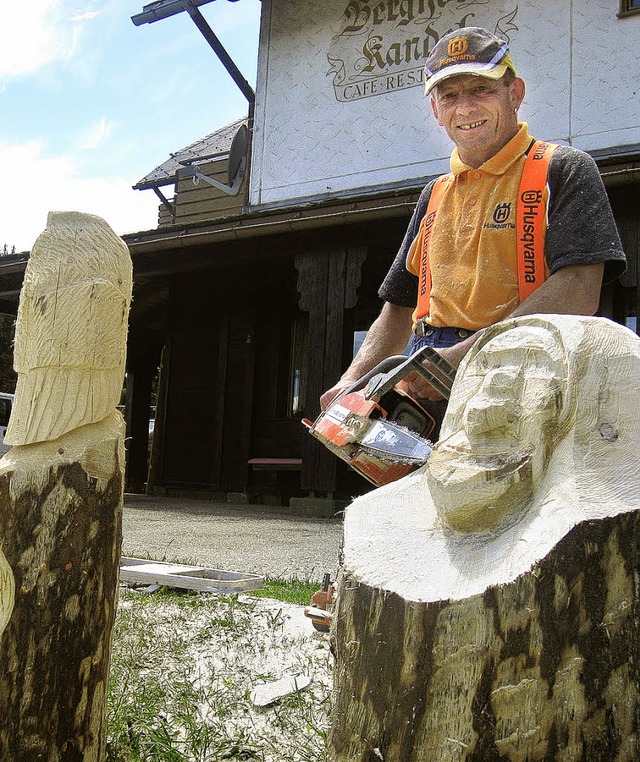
[382, 368]
[381, 385]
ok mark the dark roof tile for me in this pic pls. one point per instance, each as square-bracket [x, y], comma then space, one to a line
[217, 143]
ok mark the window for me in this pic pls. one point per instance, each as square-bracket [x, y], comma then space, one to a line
[358, 338]
[629, 7]
[299, 355]
[5, 411]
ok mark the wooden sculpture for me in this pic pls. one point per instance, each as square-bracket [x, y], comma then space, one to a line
[488, 605]
[61, 489]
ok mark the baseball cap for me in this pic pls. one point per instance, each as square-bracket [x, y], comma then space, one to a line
[470, 50]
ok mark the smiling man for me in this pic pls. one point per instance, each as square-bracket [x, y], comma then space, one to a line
[517, 227]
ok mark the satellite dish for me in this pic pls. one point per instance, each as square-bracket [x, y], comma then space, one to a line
[237, 154]
[236, 165]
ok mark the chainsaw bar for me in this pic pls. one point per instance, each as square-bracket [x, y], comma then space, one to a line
[395, 443]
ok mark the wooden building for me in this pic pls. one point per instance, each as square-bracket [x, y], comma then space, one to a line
[250, 317]
[251, 304]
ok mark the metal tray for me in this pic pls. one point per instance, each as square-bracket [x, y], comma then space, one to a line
[144, 572]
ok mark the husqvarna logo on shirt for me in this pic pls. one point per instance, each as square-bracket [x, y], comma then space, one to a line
[500, 219]
[501, 213]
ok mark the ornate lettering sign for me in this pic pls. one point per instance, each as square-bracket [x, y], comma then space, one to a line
[382, 44]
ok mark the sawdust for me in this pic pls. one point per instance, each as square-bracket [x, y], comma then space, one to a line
[218, 649]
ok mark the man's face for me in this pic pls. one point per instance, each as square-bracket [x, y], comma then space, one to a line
[478, 114]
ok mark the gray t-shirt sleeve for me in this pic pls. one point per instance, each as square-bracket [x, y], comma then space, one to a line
[581, 227]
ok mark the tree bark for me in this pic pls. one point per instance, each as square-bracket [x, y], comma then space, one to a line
[60, 525]
[544, 668]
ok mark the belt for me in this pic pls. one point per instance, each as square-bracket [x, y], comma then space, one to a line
[424, 329]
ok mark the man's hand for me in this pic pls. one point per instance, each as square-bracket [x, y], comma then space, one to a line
[387, 336]
[417, 387]
[331, 394]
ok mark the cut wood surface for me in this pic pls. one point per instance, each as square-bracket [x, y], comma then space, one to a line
[488, 603]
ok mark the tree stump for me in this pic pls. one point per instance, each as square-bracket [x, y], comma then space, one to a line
[488, 605]
[61, 491]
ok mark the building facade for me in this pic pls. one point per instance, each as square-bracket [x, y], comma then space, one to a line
[251, 305]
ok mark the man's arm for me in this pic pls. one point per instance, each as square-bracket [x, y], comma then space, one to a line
[388, 335]
[572, 290]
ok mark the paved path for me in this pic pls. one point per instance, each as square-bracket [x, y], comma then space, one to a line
[256, 539]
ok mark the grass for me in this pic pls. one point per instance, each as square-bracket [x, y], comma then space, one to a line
[289, 591]
[184, 665]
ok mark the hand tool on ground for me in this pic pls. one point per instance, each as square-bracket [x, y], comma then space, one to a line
[376, 427]
[321, 609]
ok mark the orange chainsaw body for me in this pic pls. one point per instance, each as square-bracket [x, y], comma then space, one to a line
[341, 427]
[353, 425]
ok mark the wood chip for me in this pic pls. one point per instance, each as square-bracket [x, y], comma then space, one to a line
[268, 693]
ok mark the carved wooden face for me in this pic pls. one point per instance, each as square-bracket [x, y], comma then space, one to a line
[501, 426]
[71, 333]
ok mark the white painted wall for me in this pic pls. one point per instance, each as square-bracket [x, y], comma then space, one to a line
[330, 120]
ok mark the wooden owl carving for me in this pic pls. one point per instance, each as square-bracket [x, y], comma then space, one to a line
[71, 333]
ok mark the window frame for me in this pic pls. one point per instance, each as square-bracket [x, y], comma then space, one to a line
[628, 9]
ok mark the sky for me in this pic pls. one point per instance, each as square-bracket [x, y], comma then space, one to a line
[90, 103]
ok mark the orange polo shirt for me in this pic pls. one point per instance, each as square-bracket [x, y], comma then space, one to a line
[473, 247]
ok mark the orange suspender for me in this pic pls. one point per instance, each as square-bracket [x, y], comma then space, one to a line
[530, 225]
[531, 218]
[424, 288]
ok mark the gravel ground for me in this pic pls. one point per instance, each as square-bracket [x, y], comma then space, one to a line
[257, 539]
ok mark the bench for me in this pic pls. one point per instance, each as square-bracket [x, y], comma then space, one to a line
[282, 471]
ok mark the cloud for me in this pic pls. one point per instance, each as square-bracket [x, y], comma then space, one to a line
[96, 135]
[84, 16]
[37, 33]
[40, 184]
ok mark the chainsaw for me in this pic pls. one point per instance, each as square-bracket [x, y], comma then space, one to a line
[376, 427]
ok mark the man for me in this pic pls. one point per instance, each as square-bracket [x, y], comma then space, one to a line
[469, 263]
